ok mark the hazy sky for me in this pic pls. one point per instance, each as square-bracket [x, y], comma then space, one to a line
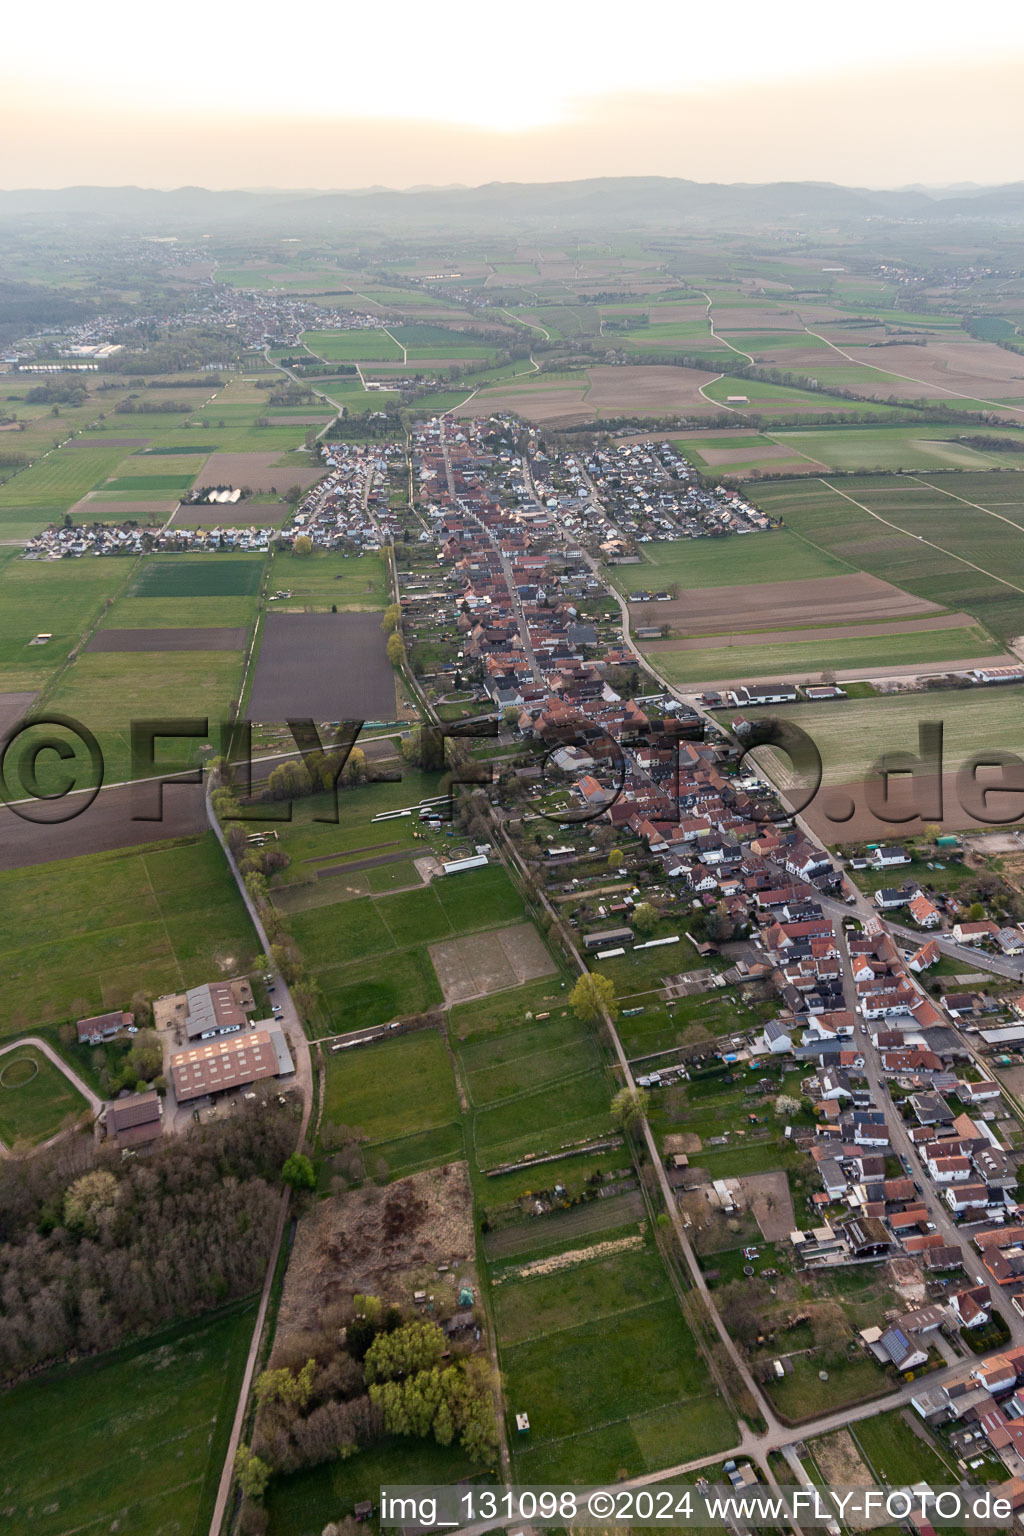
[884, 93]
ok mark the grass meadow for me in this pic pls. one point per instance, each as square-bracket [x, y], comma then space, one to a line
[601, 1360]
[399, 1096]
[133, 1440]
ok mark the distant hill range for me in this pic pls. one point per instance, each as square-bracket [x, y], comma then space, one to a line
[626, 201]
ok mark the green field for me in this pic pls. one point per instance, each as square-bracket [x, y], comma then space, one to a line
[359, 994]
[851, 735]
[881, 448]
[542, 1119]
[107, 690]
[62, 598]
[951, 539]
[159, 919]
[372, 345]
[899, 1454]
[35, 1098]
[601, 1360]
[48, 488]
[131, 1441]
[342, 940]
[323, 578]
[392, 1091]
[302, 1504]
[697, 563]
[804, 660]
[197, 576]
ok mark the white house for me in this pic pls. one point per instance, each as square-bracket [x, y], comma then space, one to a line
[948, 1170]
[777, 1038]
[889, 858]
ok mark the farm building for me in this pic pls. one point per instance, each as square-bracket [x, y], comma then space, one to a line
[606, 937]
[233, 1061]
[458, 866]
[136, 1120]
[217, 1008]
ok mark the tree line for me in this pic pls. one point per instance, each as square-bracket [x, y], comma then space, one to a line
[95, 1250]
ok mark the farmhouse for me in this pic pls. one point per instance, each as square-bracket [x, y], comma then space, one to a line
[889, 858]
[102, 1026]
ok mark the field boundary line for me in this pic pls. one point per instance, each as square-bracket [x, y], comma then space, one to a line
[598, 1317]
[773, 438]
[526, 1093]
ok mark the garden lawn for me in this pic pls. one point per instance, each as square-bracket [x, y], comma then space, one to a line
[801, 1395]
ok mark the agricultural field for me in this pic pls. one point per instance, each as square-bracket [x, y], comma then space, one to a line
[62, 599]
[744, 657]
[947, 539]
[852, 736]
[108, 690]
[870, 448]
[322, 666]
[44, 491]
[120, 1439]
[156, 919]
[371, 345]
[36, 1099]
[696, 564]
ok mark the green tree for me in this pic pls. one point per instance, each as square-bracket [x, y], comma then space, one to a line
[615, 858]
[592, 996]
[975, 912]
[395, 649]
[630, 1107]
[298, 1172]
[281, 1386]
[645, 917]
[303, 544]
[413, 1348]
[392, 618]
[252, 1473]
[88, 1198]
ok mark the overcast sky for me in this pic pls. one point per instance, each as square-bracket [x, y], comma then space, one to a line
[331, 95]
